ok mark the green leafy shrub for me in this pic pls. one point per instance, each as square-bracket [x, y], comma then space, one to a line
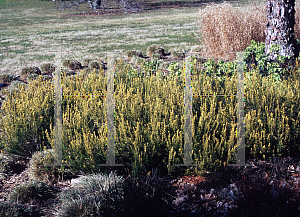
[150, 67]
[30, 192]
[39, 170]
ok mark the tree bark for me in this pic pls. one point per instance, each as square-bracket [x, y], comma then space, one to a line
[280, 28]
[95, 5]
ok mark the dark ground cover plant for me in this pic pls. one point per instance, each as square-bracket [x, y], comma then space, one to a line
[15, 210]
[149, 195]
[265, 189]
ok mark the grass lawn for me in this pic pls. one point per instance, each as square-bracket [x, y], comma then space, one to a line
[29, 28]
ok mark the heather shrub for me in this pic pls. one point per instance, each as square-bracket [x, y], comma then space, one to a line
[23, 135]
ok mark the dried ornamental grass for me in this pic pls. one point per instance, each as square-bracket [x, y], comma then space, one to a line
[151, 49]
[47, 68]
[38, 170]
[226, 29]
[30, 70]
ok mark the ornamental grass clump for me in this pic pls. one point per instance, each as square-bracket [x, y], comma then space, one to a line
[95, 194]
[94, 65]
[31, 192]
[47, 68]
[225, 28]
[30, 70]
[10, 209]
[39, 170]
[71, 64]
[133, 53]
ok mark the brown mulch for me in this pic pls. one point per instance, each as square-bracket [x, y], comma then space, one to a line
[188, 188]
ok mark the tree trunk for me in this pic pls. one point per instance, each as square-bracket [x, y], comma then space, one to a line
[280, 28]
[95, 5]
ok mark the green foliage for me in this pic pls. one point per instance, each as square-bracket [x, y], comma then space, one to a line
[266, 68]
[24, 126]
[150, 67]
[149, 117]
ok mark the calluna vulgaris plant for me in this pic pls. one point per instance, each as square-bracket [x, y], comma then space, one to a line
[149, 117]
